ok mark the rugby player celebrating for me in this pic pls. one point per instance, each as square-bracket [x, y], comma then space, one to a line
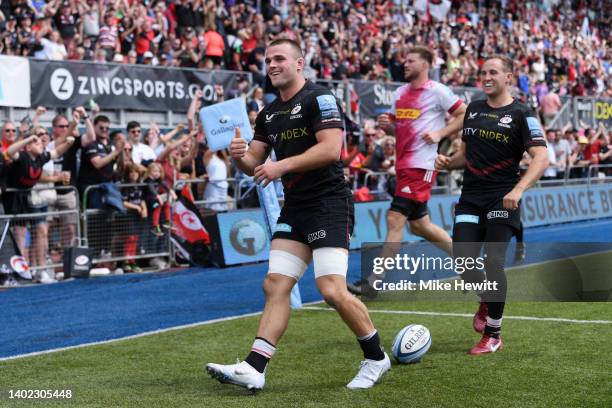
[496, 132]
[304, 127]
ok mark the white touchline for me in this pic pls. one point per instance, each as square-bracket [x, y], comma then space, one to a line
[135, 336]
[417, 312]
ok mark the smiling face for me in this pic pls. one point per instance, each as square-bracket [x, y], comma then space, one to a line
[284, 65]
[9, 132]
[495, 77]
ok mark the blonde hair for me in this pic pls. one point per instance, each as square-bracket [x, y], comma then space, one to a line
[153, 166]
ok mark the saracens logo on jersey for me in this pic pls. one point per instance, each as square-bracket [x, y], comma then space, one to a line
[295, 112]
[504, 122]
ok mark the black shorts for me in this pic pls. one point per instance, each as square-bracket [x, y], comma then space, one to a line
[479, 209]
[328, 223]
[411, 209]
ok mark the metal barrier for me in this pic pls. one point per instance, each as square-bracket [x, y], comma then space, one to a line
[596, 175]
[563, 117]
[126, 237]
[228, 204]
[42, 235]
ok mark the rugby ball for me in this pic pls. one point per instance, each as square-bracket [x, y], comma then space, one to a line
[411, 344]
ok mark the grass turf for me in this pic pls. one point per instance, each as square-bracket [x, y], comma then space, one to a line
[544, 364]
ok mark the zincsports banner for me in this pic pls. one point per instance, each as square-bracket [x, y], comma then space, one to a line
[61, 84]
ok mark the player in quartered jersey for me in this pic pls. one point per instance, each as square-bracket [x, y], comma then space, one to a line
[496, 132]
[418, 121]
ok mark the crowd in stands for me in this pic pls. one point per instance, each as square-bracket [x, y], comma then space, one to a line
[561, 45]
[39, 167]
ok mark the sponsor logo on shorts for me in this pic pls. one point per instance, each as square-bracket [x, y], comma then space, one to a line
[497, 214]
[316, 235]
[467, 218]
[406, 190]
[283, 228]
[406, 113]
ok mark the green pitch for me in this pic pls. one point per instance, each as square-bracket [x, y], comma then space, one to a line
[544, 364]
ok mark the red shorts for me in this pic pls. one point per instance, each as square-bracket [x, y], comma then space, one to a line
[415, 184]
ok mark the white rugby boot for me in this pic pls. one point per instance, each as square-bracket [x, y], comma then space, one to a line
[241, 374]
[370, 373]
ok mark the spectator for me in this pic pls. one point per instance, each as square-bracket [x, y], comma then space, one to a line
[578, 161]
[67, 166]
[215, 45]
[563, 151]
[141, 153]
[127, 36]
[551, 172]
[257, 101]
[157, 195]
[42, 199]
[550, 105]
[9, 134]
[374, 156]
[108, 37]
[24, 172]
[605, 155]
[215, 193]
[52, 48]
[91, 11]
[67, 21]
[133, 200]
[97, 162]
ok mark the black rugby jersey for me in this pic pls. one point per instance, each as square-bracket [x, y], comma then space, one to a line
[495, 139]
[290, 128]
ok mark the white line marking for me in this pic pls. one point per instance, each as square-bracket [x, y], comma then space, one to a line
[416, 312]
[135, 336]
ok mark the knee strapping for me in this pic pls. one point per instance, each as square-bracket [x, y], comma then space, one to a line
[284, 263]
[330, 261]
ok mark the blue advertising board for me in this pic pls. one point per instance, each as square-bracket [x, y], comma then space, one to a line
[244, 237]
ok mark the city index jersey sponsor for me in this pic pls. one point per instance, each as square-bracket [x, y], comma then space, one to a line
[290, 128]
[495, 140]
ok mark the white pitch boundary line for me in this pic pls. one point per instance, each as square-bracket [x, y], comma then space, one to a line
[136, 336]
[416, 312]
